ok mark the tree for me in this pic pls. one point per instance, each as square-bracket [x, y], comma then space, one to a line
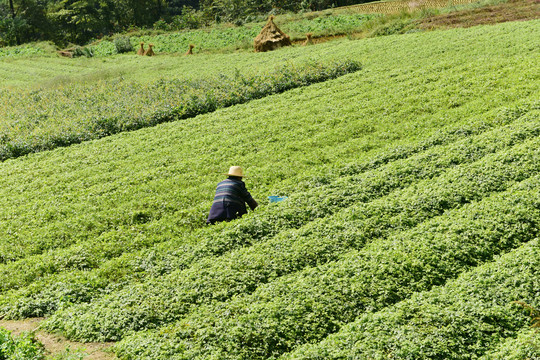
[23, 20]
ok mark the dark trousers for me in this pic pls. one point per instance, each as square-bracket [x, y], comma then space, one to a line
[225, 211]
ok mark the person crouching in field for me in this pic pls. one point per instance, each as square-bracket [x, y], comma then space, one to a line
[231, 198]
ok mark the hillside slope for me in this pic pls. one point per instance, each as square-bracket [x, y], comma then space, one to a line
[421, 168]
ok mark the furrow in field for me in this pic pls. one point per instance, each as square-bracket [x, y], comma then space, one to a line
[218, 280]
[308, 306]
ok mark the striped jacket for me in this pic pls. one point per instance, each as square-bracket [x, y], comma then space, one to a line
[230, 201]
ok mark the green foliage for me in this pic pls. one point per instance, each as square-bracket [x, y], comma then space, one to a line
[22, 347]
[162, 101]
[525, 346]
[533, 313]
[459, 320]
[76, 288]
[21, 51]
[219, 281]
[188, 19]
[22, 23]
[69, 354]
[397, 25]
[82, 51]
[10, 28]
[219, 38]
[321, 202]
[404, 181]
[122, 45]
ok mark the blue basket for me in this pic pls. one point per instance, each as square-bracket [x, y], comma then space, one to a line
[276, 198]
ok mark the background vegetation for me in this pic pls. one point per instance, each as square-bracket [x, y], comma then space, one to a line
[78, 21]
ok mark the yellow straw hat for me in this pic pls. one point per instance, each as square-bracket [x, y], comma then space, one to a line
[235, 171]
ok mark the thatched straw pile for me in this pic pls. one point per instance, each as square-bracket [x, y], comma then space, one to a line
[141, 50]
[149, 51]
[271, 38]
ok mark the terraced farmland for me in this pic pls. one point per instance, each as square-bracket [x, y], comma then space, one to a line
[396, 6]
[410, 229]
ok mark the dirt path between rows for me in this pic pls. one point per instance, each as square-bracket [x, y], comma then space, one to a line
[55, 344]
[513, 10]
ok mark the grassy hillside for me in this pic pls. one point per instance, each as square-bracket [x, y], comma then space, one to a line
[409, 182]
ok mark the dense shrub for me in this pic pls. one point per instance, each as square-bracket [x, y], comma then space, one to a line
[525, 346]
[123, 44]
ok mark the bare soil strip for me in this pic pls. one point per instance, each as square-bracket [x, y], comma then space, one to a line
[54, 344]
[514, 10]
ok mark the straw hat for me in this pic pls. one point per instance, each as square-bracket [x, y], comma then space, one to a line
[235, 171]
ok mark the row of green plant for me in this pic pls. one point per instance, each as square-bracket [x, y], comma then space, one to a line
[463, 319]
[308, 306]
[375, 178]
[87, 192]
[28, 50]
[139, 306]
[163, 178]
[44, 120]
[22, 347]
[89, 226]
[525, 346]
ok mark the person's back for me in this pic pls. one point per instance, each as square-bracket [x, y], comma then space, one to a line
[231, 198]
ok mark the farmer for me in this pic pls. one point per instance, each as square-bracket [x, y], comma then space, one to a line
[231, 198]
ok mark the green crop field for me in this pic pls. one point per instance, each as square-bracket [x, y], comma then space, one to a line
[411, 166]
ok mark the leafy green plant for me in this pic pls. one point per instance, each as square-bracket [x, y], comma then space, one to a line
[175, 100]
[434, 157]
[123, 44]
[150, 311]
[23, 347]
[465, 317]
[525, 346]
[79, 51]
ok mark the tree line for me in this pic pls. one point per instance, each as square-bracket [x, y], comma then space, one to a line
[79, 21]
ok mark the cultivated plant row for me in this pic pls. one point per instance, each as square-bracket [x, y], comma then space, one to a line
[306, 307]
[72, 206]
[81, 256]
[470, 316]
[43, 297]
[143, 306]
[44, 120]
[395, 175]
